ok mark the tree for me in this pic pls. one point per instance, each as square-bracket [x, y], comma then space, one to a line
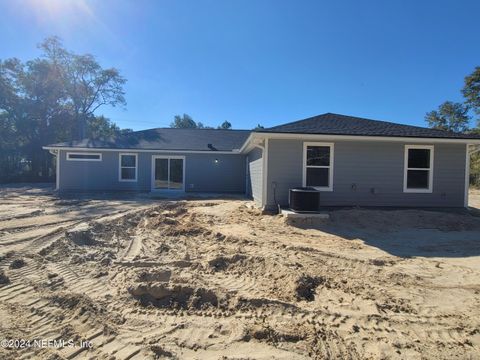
[87, 84]
[471, 91]
[32, 98]
[455, 117]
[225, 125]
[258, 127]
[183, 122]
[51, 99]
[186, 122]
[201, 126]
[101, 127]
[449, 116]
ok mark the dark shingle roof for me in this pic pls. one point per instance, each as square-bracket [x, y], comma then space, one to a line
[168, 139]
[229, 140]
[335, 124]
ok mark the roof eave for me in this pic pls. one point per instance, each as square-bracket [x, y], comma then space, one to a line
[309, 136]
[186, 151]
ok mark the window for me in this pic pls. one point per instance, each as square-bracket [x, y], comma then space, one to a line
[128, 167]
[84, 156]
[318, 165]
[418, 168]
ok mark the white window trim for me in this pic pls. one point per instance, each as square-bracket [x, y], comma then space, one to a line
[127, 167]
[84, 153]
[330, 167]
[406, 168]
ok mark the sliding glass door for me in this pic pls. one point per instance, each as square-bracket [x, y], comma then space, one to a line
[168, 173]
[175, 167]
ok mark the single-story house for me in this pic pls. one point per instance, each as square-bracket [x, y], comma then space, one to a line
[352, 161]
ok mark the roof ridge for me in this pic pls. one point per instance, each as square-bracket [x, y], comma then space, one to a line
[298, 121]
[172, 128]
[359, 118]
[385, 122]
[355, 118]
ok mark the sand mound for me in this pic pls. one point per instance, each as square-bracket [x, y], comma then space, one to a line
[79, 302]
[154, 275]
[185, 229]
[268, 334]
[167, 214]
[174, 296]
[81, 235]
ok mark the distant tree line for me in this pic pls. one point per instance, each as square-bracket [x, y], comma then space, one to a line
[186, 122]
[456, 116]
[51, 99]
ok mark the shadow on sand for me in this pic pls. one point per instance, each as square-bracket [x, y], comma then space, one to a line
[408, 232]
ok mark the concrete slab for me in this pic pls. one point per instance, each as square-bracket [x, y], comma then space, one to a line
[290, 214]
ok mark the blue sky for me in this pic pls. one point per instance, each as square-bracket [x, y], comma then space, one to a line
[266, 62]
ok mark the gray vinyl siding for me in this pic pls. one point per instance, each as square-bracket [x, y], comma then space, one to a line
[369, 174]
[255, 174]
[202, 173]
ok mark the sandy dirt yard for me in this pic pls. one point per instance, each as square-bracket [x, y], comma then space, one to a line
[216, 279]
